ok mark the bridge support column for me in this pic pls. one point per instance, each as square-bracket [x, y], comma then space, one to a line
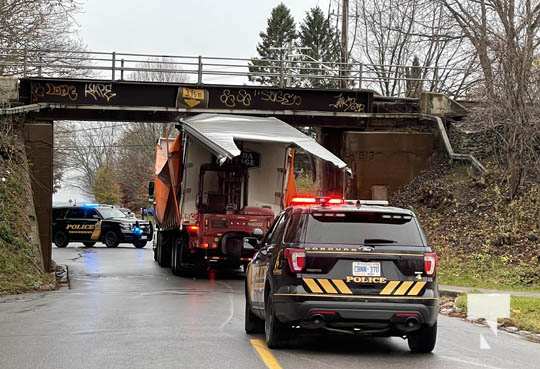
[38, 138]
[332, 178]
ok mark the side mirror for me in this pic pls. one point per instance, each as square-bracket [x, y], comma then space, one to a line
[257, 233]
[256, 243]
[151, 186]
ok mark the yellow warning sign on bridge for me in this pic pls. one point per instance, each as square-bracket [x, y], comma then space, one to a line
[190, 98]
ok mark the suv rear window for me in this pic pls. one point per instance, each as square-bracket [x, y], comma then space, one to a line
[361, 228]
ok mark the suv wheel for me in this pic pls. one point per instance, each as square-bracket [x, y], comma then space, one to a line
[89, 244]
[423, 340]
[252, 323]
[111, 239]
[139, 244]
[61, 239]
[277, 334]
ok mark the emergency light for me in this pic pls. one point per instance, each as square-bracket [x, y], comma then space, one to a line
[311, 200]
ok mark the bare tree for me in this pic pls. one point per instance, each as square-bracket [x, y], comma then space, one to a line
[29, 26]
[504, 34]
[87, 147]
[160, 69]
[389, 34]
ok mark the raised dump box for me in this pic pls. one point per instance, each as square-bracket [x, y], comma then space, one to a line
[221, 179]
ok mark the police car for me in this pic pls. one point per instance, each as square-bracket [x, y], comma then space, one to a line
[91, 223]
[342, 266]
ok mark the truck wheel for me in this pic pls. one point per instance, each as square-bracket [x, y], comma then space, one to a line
[423, 340]
[164, 250]
[111, 239]
[179, 256]
[89, 244]
[61, 239]
[139, 244]
[252, 323]
[277, 334]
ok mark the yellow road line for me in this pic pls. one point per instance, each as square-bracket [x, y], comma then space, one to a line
[265, 354]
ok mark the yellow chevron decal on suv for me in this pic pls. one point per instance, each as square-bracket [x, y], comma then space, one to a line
[327, 285]
[312, 285]
[399, 288]
[340, 287]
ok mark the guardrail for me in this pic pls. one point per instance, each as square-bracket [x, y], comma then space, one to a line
[297, 70]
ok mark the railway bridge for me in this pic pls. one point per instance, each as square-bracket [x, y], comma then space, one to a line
[385, 140]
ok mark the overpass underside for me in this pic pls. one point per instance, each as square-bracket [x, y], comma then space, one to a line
[386, 141]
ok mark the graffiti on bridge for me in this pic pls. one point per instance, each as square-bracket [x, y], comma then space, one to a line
[99, 91]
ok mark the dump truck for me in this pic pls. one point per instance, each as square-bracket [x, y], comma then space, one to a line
[218, 185]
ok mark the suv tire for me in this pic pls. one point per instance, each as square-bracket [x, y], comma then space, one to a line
[111, 239]
[252, 323]
[423, 340]
[61, 239]
[276, 333]
[89, 244]
[139, 244]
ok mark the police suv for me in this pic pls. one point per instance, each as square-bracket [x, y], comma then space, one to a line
[93, 222]
[353, 267]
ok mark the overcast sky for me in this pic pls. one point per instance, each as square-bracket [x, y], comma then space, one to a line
[181, 27]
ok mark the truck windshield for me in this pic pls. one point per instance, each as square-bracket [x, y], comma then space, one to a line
[111, 213]
[362, 228]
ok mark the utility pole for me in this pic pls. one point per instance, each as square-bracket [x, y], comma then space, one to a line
[344, 42]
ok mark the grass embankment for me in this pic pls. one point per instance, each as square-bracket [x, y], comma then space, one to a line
[20, 259]
[524, 312]
[483, 239]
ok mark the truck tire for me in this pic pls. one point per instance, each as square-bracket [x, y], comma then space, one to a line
[163, 249]
[423, 341]
[139, 244]
[111, 239]
[276, 333]
[179, 256]
[61, 239]
[89, 244]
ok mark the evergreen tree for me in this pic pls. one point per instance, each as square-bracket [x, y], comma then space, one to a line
[322, 42]
[280, 33]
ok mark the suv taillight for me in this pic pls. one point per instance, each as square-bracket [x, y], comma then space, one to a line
[430, 263]
[296, 259]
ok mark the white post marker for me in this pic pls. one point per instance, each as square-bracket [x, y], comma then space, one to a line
[489, 306]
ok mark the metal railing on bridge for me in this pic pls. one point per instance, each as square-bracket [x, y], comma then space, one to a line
[297, 70]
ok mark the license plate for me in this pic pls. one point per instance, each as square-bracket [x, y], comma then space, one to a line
[366, 269]
[144, 237]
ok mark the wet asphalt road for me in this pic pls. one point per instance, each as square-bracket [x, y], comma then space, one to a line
[123, 311]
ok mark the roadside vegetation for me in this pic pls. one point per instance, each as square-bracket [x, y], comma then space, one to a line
[21, 268]
[484, 238]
